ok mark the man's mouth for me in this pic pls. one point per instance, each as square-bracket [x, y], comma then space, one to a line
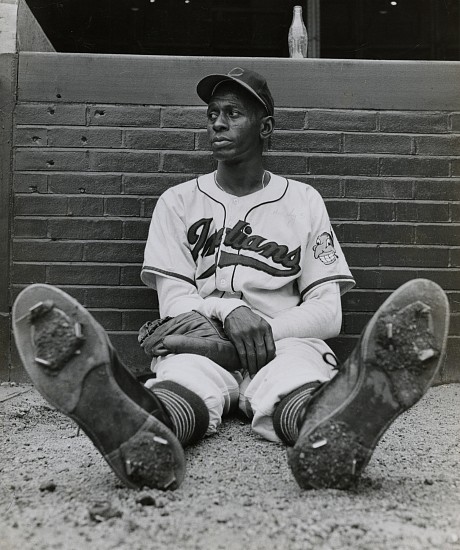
[220, 141]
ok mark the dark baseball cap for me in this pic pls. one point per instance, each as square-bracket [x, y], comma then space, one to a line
[250, 80]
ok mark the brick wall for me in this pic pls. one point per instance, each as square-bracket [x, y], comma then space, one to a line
[87, 175]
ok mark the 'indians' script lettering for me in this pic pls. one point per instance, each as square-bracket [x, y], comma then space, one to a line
[240, 237]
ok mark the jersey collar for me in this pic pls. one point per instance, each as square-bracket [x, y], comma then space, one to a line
[275, 189]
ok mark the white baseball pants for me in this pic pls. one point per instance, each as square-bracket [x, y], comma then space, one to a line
[297, 362]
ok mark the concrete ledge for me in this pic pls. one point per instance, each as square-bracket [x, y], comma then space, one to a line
[321, 83]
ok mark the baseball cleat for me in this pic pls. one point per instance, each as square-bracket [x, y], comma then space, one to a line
[390, 369]
[71, 362]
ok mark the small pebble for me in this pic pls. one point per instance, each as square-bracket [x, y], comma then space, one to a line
[49, 486]
[222, 520]
[160, 503]
[103, 510]
[146, 500]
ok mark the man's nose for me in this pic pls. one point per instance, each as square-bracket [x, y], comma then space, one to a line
[220, 122]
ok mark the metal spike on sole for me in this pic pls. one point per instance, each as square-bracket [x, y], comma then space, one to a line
[390, 331]
[39, 309]
[389, 327]
[426, 354]
[42, 362]
[426, 312]
[129, 467]
[78, 332]
[160, 440]
[35, 308]
[319, 443]
[170, 482]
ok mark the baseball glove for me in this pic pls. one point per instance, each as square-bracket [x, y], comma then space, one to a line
[189, 333]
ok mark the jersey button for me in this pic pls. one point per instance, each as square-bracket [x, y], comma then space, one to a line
[223, 282]
[235, 201]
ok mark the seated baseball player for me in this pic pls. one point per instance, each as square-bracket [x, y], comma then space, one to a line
[249, 276]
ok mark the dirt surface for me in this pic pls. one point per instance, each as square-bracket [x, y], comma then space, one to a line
[57, 492]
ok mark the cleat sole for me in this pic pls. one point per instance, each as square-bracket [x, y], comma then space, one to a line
[387, 373]
[84, 387]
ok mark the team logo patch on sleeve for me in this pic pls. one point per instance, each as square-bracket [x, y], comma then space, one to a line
[324, 248]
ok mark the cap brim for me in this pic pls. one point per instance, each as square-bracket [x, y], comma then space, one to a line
[205, 87]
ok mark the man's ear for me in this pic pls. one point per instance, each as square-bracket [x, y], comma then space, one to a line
[267, 125]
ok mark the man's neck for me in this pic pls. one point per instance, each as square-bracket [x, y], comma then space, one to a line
[241, 179]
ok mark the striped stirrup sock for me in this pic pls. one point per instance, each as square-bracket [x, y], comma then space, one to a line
[287, 412]
[188, 412]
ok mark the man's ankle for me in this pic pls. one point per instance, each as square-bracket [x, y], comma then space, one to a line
[285, 419]
[188, 412]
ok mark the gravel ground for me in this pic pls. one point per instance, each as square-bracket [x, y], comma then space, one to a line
[57, 492]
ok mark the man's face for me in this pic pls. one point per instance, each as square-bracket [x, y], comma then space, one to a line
[234, 124]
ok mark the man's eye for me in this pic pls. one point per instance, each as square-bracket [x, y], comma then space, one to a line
[234, 113]
[212, 115]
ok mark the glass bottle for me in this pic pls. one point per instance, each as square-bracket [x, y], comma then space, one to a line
[297, 37]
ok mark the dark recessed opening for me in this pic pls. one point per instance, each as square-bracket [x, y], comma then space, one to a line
[355, 29]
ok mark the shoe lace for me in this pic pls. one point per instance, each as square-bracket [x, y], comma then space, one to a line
[331, 359]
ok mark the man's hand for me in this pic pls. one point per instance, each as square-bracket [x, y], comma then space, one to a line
[252, 336]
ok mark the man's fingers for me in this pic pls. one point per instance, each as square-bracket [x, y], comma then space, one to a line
[252, 358]
[270, 346]
[252, 337]
[249, 357]
[261, 354]
[241, 349]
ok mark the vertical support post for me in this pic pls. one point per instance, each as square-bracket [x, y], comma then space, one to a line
[8, 86]
[313, 28]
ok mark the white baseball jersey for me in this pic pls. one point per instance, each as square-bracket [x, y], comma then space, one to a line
[269, 248]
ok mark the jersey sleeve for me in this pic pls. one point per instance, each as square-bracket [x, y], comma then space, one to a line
[167, 251]
[323, 259]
